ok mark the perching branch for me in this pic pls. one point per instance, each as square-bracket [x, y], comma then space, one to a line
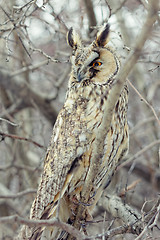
[132, 222]
[118, 209]
[51, 222]
[66, 227]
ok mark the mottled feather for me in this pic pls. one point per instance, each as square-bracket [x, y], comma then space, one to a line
[68, 159]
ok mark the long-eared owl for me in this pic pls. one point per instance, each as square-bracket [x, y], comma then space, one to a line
[69, 155]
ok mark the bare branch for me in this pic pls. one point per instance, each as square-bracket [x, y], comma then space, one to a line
[20, 138]
[29, 68]
[20, 91]
[9, 122]
[152, 109]
[141, 123]
[90, 13]
[116, 10]
[141, 152]
[152, 223]
[20, 167]
[128, 188]
[51, 222]
[127, 214]
[19, 194]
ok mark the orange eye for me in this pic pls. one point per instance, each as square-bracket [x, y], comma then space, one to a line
[96, 64]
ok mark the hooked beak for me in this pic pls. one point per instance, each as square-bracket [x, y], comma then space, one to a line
[80, 76]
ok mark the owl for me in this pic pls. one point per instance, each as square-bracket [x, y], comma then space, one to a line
[69, 155]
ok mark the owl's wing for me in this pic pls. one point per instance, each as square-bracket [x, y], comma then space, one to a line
[69, 141]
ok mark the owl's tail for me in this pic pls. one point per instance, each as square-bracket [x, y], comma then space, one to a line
[49, 232]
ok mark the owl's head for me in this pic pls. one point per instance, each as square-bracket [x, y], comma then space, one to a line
[95, 63]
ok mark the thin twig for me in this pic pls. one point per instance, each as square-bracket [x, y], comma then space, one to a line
[141, 97]
[20, 167]
[25, 5]
[30, 68]
[19, 194]
[9, 122]
[140, 152]
[140, 124]
[152, 223]
[130, 187]
[21, 138]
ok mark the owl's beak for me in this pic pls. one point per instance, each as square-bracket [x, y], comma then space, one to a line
[80, 76]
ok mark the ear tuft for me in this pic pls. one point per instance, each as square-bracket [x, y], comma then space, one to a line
[102, 36]
[73, 39]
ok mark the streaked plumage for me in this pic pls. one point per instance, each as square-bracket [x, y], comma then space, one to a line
[68, 158]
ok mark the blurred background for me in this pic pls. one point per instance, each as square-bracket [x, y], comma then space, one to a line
[34, 72]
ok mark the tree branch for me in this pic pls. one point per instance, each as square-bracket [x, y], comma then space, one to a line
[19, 194]
[146, 148]
[91, 14]
[20, 138]
[113, 204]
[27, 95]
[147, 103]
[51, 222]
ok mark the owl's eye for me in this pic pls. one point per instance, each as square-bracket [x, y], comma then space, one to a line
[96, 64]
